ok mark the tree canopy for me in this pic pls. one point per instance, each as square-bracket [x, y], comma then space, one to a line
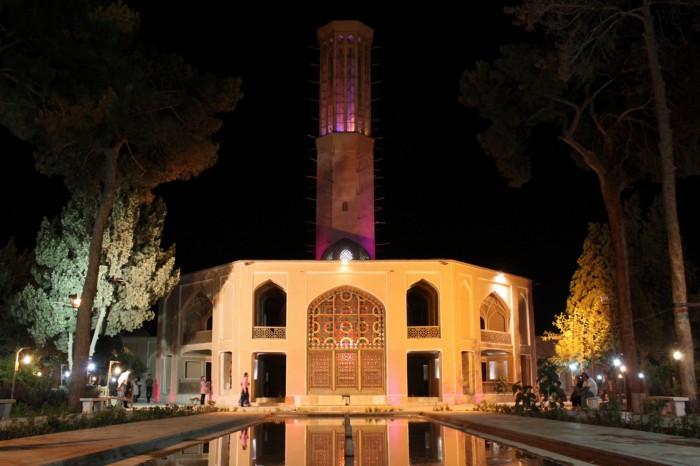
[134, 272]
[104, 112]
[585, 328]
[586, 76]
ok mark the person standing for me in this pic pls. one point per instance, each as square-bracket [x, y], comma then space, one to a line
[202, 389]
[121, 393]
[137, 389]
[245, 393]
[128, 393]
[576, 392]
[590, 389]
[149, 388]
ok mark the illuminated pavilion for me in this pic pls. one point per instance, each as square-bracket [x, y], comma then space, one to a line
[346, 328]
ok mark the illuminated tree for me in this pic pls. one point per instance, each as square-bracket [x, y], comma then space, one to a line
[134, 273]
[587, 79]
[104, 112]
[585, 328]
[664, 34]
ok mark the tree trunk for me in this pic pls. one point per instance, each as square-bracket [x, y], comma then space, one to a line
[611, 191]
[70, 352]
[87, 298]
[98, 330]
[613, 206]
[675, 246]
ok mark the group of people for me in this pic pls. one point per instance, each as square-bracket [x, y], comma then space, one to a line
[126, 392]
[585, 387]
[129, 391]
[205, 389]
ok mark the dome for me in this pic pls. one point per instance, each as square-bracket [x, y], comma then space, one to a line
[345, 249]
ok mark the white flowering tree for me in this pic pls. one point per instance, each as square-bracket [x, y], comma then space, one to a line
[134, 272]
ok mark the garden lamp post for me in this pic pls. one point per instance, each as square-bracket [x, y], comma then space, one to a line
[14, 374]
[109, 370]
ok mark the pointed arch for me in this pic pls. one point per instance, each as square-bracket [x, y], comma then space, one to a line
[422, 307]
[197, 319]
[494, 313]
[346, 338]
[270, 306]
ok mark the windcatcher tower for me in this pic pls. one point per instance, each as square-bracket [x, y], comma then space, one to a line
[345, 149]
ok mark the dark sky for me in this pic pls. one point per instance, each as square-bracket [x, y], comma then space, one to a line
[440, 195]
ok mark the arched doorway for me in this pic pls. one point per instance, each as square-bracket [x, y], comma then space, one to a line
[346, 343]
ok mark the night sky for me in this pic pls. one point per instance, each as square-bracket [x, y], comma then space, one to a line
[439, 195]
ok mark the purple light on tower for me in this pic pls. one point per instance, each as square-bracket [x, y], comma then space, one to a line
[345, 148]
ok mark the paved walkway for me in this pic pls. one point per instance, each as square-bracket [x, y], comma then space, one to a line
[127, 444]
[590, 444]
[112, 444]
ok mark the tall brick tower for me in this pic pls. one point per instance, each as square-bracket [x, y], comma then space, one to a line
[345, 149]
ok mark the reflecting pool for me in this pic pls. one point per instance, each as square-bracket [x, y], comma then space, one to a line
[357, 441]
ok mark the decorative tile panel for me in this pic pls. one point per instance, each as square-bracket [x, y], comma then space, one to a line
[373, 448]
[424, 332]
[274, 333]
[345, 318]
[319, 449]
[320, 369]
[346, 369]
[346, 323]
[372, 369]
[495, 337]
[340, 449]
[327, 447]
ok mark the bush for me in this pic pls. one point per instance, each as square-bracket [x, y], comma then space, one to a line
[32, 425]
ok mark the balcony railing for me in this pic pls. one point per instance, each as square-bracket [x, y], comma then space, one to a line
[493, 336]
[203, 336]
[274, 333]
[426, 331]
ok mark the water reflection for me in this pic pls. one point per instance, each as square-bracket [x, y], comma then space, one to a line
[375, 441]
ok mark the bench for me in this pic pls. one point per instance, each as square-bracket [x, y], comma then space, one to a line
[673, 404]
[6, 407]
[99, 403]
